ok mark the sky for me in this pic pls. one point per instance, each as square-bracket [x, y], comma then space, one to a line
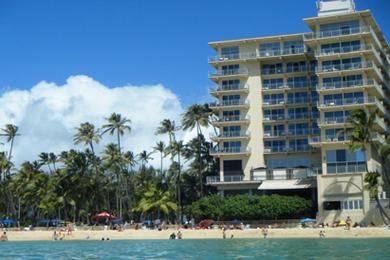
[123, 50]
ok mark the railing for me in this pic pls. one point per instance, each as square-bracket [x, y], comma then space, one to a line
[270, 71]
[233, 118]
[345, 167]
[335, 33]
[229, 87]
[291, 132]
[346, 66]
[282, 101]
[279, 52]
[343, 49]
[228, 72]
[228, 150]
[333, 120]
[234, 56]
[285, 174]
[285, 149]
[345, 84]
[227, 103]
[231, 134]
[298, 100]
[347, 101]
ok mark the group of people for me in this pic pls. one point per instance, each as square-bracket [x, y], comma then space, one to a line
[179, 235]
[60, 235]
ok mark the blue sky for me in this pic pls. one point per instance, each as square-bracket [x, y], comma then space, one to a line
[139, 42]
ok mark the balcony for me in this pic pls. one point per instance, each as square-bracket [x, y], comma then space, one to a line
[333, 121]
[342, 50]
[231, 120]
[346, 167]
[285, 174]
[336, 33]
[282, 52]
[230, 151]
[232, 57]
[291, 133]
[229, 89]
[348, 84]
[285, 149]
[283, 87]
[343, 67]
[294, 69]
[350, 102]
[229, 73]
[236, 135]
[230, 104]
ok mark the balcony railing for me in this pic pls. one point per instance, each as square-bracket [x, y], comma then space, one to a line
[285, 174]
[333, 120]
[345, 167]
[343, 49]
[229, 72]
[231, 134]
[232, 118]
[291, 132]
[336, 33]
[347, 101]
[233, 56]
[282, 101]
[229, 87]
[345, 84]
[229, 150]
[280, 52]
[227, 103]
[346, 66]
[285, 149]
[296, 116]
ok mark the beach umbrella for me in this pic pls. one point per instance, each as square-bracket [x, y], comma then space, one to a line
[206, 223]
[342, 223]
[8, 221]
[307, 220]
[102, 215]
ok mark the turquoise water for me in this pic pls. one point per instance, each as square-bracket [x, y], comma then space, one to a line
[200, 249]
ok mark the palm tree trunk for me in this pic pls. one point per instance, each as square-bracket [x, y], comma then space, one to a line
[161, 163]
[384, 215]
[179, 211]
[199, 132]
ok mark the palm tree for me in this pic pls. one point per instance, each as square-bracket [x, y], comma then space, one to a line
[144, 158]
[168, 127]
[197, 116]
[117, 123]
[361, 138]
[129, 159]
[10, 132]
[156, 199]
[160, 147]
[176, 149]
[87, 134]
[45, 160]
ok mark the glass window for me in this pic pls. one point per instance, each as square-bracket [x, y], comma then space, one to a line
[270, 49]
[230, 52]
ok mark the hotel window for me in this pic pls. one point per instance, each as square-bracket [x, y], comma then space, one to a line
[297, 98]
[352, 63]
[231, 84]
[271, 68]
[297, 82]
[275, 145]
[232, 130]
[269, 49]
[336, 116]
[352, 204]
[231, 100]
[231, 115]
[273, 99]
[291, 47]
[315, 113]
[298, 129]
[296, 66]
[230, 69]
[230, 52]
[337, 134]
[299, 145]
[232, 146]
[343, 28]
[332, 205]
[298, 113]
[344, 161]
[274, 114]
[273, 83]
[314, 98]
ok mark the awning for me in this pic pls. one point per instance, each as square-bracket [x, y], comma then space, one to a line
[284, 185]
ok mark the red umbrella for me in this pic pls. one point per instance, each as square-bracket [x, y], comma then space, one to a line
[104, 215]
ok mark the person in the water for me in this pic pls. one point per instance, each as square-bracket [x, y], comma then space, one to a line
[4, 237]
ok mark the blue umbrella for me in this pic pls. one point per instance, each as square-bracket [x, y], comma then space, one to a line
[235, 222]
[307, 220]
[8, 221]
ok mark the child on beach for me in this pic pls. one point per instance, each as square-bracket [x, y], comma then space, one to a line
[264, 231]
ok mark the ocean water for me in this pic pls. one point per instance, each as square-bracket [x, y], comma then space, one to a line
[200, 249]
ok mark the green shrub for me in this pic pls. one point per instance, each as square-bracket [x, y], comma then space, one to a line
[250, 207]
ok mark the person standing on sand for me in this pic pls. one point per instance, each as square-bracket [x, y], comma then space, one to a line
[224, 233]
[4, 237]
[348, 221]
[264, 231]
[179, 235]
[322, 233]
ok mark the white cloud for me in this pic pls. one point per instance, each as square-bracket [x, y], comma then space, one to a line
[48, 114]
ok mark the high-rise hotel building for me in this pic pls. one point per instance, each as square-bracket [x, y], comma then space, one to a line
[282, 108]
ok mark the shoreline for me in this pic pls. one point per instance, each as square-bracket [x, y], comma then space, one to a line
[372, 232]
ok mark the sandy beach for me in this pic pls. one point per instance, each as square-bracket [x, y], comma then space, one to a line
[377, 232]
